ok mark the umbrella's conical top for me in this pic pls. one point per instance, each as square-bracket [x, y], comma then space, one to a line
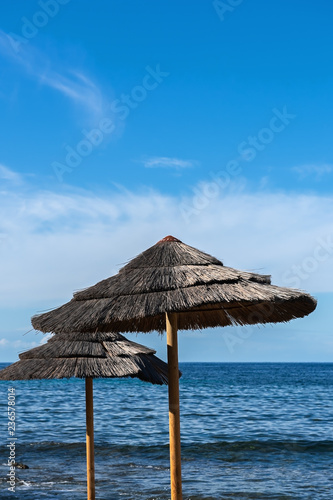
[95, 355]
[169, 238]
[174, 277]
[170, 252]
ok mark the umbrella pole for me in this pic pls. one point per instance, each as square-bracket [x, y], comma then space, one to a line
[174, 417]
[90, 439]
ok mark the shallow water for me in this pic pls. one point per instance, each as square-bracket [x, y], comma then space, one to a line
[249, 431]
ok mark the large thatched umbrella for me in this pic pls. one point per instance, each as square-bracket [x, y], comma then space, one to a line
[169, 286]
[89, 356]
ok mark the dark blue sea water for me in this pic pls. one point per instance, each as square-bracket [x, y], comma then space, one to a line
[249, 431]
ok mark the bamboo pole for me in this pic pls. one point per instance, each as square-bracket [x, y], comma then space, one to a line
[90, 439]
[174, 417]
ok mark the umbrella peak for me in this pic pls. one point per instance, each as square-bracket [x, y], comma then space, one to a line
[169, 238]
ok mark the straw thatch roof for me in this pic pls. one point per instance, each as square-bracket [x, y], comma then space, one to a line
[174, 277]
[88, 355]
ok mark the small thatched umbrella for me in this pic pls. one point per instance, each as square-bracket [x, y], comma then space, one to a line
[169, 286]
[89, 356]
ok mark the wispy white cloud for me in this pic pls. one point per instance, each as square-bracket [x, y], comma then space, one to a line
[75, 86]
[9, 175]
[20, 344]
[45, 338]
[315, 171]
[71, 83]
[54, 243]
[24, 344]
[167, 162]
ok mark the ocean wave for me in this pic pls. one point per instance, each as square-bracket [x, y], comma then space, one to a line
[257, 445]
[260, 446]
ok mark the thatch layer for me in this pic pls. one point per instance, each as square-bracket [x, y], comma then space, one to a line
[140, 280]
[134, 367]
[67, 349]
[63, 357]
[170, 253]
[174, 277]
[90, 337]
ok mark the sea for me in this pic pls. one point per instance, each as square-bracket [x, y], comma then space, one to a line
[249, 431]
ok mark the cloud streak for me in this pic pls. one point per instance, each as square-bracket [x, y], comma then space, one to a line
[9, 175]
[71, 83]
[167, 162]
[315, 171]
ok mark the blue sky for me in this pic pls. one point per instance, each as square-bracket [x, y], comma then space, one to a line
[123, 122]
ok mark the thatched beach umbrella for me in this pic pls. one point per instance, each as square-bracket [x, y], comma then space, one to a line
[174, 286]
[89, 356]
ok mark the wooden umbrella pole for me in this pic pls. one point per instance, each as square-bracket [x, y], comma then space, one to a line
[90, 439]
[174, 417]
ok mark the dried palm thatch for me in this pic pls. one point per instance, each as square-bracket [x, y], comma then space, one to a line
[88, 355]
[173, 277]
[172, 285]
